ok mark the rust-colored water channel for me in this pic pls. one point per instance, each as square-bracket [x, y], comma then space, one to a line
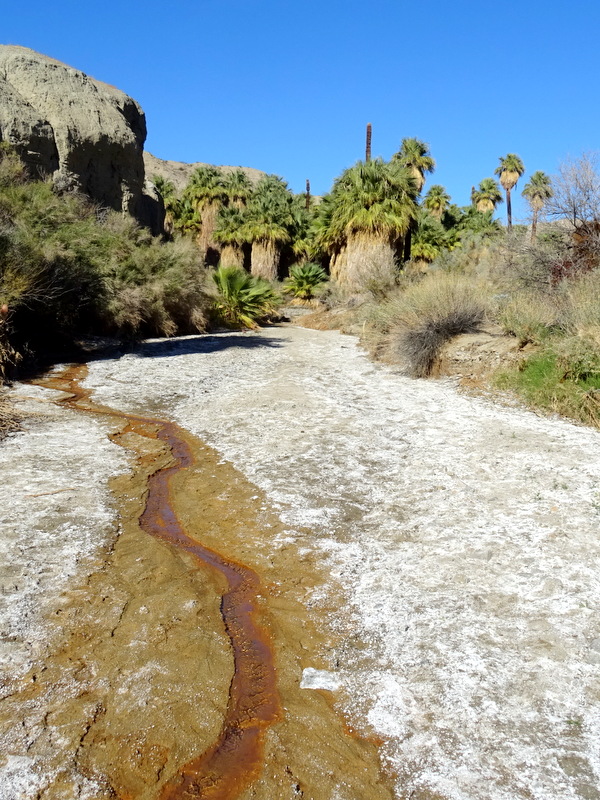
[234, 760]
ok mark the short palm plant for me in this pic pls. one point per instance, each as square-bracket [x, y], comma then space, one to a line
[241, 299]
[304, 279]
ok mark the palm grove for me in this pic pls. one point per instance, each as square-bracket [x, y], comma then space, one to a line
[408, 253]
[373, 222]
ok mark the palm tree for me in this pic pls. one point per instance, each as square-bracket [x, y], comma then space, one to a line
[537, 193]
[228, 234]
[300, 229]
[267, 223]
[373, 206]
[487, 196]
[186, 219]
[414, 154]
[206, 192]
[166, 189]
[238, 188]
[481, 223]
[509, 171]
[325, 241]
[436, 201]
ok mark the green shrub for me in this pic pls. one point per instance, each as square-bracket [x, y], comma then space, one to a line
[563, 379]
[578, 360]
[68, 268]
[304, 280]
[242, 299]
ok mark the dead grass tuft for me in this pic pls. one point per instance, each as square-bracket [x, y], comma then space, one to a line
[10, 417]
[427, 315]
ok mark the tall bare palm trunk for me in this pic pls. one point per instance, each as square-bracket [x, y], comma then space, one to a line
[232, 256]
[534, 225]
[508, 210]
[369, 262]
[265, 260]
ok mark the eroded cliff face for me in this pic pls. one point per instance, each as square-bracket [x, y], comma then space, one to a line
[84, 133]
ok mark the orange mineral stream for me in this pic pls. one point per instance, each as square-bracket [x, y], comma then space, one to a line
[234, 761]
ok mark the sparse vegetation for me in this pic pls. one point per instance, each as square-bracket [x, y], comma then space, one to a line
[10, 417]
[414, 270]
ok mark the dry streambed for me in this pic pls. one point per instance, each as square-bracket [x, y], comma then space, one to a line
[434, 556]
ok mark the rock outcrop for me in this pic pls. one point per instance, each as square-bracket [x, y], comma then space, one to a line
[83, 133]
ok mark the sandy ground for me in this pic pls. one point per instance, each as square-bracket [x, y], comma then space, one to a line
[444, 550]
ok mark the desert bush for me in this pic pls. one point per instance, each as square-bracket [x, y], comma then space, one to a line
[534, 266]
[424, 317]
[530, 316]
[580, 299]
[155, 288]
[241, 299]
[69, 268]
[477, 255]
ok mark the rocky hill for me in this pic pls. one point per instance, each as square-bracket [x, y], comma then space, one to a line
[82, 132]
[85, 134]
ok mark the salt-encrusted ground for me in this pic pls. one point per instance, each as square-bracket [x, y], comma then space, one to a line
[464, 535]
[55, 518]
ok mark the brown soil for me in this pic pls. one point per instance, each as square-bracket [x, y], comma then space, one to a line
[139, 684]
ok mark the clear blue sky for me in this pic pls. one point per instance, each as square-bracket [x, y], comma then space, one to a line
[288, 87]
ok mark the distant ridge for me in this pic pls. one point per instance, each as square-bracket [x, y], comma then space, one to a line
[179, 172]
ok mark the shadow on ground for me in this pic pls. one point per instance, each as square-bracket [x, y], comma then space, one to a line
[206, 343]
[99, 349]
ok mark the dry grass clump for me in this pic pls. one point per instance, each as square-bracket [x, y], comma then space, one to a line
[530, 316]
[10, 417]
[581, 306]
[423, 318]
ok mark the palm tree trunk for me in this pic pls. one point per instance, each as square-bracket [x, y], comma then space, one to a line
[534, 225]
[406, 247]
[508, 210]
[368, 143]
[337, 264]
[265, 260]
[232, 256]
[206, 239]
[369, 263]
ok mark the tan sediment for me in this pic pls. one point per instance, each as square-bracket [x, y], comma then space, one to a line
[140, 685]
